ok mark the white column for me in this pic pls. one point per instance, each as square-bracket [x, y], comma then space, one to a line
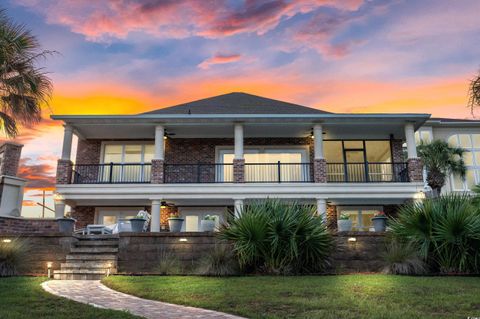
[410, 139]
[238, 141]
[67, 142]
[322, 208]
[318, 141]
[59, 208]
[155, 221]
[238, 203]
[159, 142]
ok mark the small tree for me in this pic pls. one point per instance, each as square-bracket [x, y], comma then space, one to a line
[474, 92]
[441, 160]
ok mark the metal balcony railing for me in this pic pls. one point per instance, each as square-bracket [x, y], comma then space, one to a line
[198, 173]
[111, 173]
[367, 172]
[278, 172]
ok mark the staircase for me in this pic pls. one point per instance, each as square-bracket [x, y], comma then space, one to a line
[90, 258]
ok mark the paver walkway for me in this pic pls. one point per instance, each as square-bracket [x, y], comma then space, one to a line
[94, 293]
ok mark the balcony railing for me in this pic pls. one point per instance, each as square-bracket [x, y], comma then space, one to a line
[198, 173]
[278, 172]
[111, 173]
[367, 172]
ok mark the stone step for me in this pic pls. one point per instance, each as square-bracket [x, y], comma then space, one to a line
[93, 250]
[83, 274]
[88, 264]
[97, 237]
[87, 257]
[96, 243]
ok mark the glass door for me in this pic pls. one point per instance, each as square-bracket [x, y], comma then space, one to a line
[355, 167]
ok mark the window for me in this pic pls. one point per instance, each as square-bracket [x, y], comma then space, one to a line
[423, 134]
[361, 217]
[471, 144]
[127, 154]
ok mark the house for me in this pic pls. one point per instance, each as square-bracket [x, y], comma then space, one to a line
[217, 154]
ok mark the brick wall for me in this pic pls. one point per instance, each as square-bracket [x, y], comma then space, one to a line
[397, 151]
[165, 213]
[64, 171]
[415, 169]
[88, 151]
[18, 225]
[11, 158]
[84, 215]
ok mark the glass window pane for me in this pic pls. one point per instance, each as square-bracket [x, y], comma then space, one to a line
[470, 178]
[353, 144]
[113, 154]
[477, 158]
[417, 138]
[468, 158]
[426, 136]
[378, 151]
[457, 183]
[476, 140]
[333, 151]
[465, 140]
[109, 220]
[149, 152]
[133, 153]
[191, 223]
[453, 141]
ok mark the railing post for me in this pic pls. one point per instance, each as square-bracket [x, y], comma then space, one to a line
[111, 173]
[367, 177]
[198, 173]
[279, 169]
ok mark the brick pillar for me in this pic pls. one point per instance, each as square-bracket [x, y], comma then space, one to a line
[84, 215]
[332, 217]
[239, 171]
[64, 171]
[11, 158]
[415, 169]
[157, 172]
[320, 170]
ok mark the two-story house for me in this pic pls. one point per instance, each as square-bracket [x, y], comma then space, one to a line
[215, 154]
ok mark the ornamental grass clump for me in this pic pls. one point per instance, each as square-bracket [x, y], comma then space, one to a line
[275, 237]
[12, 256]
[445, 232]
[403, 259]
[220, 261]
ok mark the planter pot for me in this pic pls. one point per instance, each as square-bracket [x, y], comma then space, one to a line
[66, 225]
[207, 225]
[344, 225]
[379, 223]
[137, 224]
[175, 224]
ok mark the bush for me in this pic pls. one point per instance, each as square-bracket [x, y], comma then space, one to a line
[403, 259]
[278, 238]
[12, 256]
[445, 231]
[219, 262]
[169, 263]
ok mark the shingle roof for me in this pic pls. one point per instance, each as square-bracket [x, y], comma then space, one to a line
[237, 103]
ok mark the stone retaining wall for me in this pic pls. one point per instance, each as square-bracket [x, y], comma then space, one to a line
[19, 225]
[43, 248]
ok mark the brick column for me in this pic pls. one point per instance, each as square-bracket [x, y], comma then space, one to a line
[64, 171]
[157, 172]
[11, 158]
[415, 169]
[239, 171]
[320, 170]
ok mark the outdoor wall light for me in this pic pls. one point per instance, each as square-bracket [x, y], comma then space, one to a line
[352, 239]
[183, 239]
[109, 266]
[49, 269]
[7, 240]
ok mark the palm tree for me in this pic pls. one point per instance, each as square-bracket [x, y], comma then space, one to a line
[441, 160]
[474, 92]
[24, 87]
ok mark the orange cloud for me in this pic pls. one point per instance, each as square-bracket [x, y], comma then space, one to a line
[219, 59]
[37, 175]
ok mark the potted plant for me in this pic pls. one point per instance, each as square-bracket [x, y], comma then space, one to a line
[137, 223]
[175, 222]
[208, 223]
[344, 223]
[66, 224]
[379, 222]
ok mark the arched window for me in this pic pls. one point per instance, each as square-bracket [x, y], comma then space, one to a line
[471, 144]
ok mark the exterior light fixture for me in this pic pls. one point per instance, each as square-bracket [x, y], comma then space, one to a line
[49, 268]
[352, 239]
[183, 239]
[109, 266]
[7, 240]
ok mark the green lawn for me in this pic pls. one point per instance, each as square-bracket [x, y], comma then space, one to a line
[349, 296]
[22, 297]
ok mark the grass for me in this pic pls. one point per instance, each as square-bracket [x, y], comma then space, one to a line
[349, 296]
[22, 297]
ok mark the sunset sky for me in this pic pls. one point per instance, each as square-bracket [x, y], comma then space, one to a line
[126, 56]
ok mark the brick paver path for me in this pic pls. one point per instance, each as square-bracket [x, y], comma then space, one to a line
[94, 293]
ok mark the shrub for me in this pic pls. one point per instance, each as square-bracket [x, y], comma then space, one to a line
[445, 230]
[12, 256]
[403, 259]
[169, 263]
[278, 238]
[220, 261]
